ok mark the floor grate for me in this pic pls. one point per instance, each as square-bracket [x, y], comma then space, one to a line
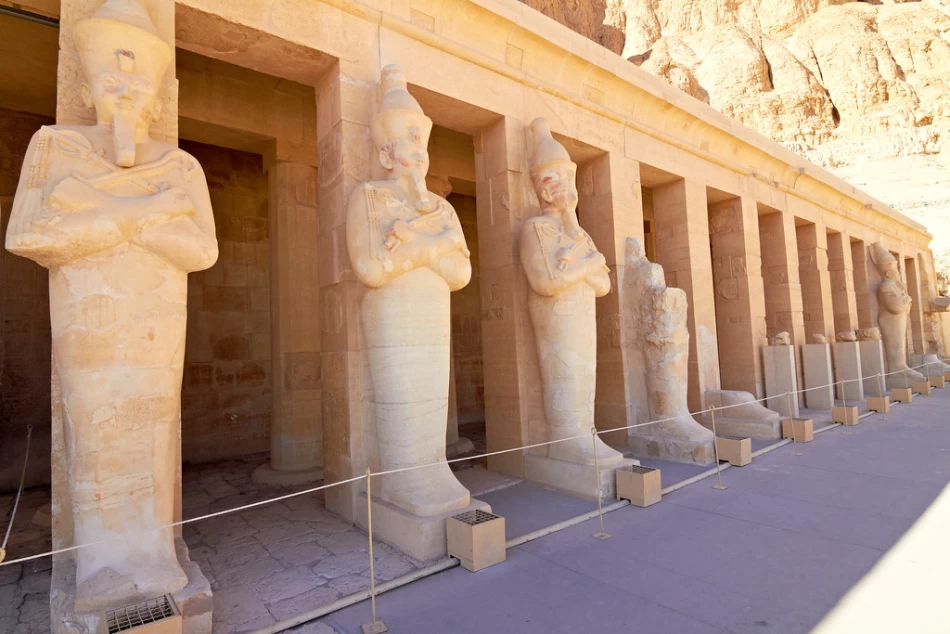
[475, 517]
[129, 616]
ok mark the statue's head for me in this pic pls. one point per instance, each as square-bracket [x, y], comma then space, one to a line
[125, 62]
[552, 171]
[885, 262]
[401, 133]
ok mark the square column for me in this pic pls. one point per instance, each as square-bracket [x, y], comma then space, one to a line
[862, 285]
[872, 364]
[610, 209]
[816, 362]
[840, 268]
[848, 368]
[296, 432]
[781, 376]
[915, 320]
[817, 311]
[784, 309]
[682, 249]
[740, 294]
[345, 96]
[508, 355]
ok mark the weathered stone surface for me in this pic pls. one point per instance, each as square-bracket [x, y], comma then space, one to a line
[303, 602]
[339, 565]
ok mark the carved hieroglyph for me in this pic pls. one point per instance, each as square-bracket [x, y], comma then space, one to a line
[893, 308]
[566, 273]
[658, 334]
[119, 219]
[406, 245]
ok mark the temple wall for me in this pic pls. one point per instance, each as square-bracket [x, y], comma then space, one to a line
[226, 391]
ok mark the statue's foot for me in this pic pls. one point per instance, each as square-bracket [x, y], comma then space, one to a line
[581, 451]
[426, 492]
[682, 427]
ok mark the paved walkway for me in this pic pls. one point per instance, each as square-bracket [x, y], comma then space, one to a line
[773, 553]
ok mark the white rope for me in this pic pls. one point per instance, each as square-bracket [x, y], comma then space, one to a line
[424, 466]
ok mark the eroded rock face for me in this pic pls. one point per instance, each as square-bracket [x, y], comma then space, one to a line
[857, 87]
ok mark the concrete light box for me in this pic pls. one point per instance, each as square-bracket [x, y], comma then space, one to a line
[845, 415]
[476, 538]
[881, 404]
[641, 485]
[735, 450]
[802, 429]
[922, 387]
[902, 395]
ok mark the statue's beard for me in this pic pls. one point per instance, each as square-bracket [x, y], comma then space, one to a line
[418, 192]
[123, 133]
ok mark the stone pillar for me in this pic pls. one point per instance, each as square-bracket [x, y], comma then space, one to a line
[784, 309]
[345, 98]
[740, 295]
[296, 433]
[916, 317]
[508, 354]
[862, 284]
[610, 210]
[780, 377]
[872, 365]
[817, 311]
[682, 249]
[819, 392]
[840, 266]
[848, 371]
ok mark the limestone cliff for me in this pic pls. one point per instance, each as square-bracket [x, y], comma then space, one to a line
[861, 88]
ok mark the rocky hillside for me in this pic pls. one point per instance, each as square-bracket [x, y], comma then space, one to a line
[861, 88]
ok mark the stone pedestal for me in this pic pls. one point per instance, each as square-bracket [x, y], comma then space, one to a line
[574, 479]
[872, 365]
[421, 537]
[816, 357]
[848, 369]
[673, 449]
[780, 377]
[193, 601]
[738, 414]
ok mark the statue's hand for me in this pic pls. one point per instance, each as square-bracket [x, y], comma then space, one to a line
[73, 194]
[165, 206]
[565, 257]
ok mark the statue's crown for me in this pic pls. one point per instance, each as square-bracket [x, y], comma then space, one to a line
[879, 255]
[544, 150]
[398, 114]
[120, 35]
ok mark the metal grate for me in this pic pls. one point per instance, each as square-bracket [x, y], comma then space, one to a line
[475, 517]
[129, 616]
[724, 437]
[638, 469]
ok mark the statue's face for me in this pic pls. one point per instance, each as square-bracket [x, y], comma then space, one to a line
[406, 158]
[556, 188]
[120, 94]
[892, 272]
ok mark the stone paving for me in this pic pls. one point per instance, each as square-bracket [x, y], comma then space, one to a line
[24, 588]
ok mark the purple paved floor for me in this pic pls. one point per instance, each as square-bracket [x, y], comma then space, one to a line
[773, 553]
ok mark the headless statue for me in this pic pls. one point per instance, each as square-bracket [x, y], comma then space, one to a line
[406, 245]
[566, 274]
[119, 219]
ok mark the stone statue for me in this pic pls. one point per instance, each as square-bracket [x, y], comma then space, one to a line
[566, 273]
[660, 337]
[893, 308]
[781, 339]
[740, 414]
[871, 334]
[406, 246]
[933, 305]
[846, 336]
[119, 219]
[819, 338]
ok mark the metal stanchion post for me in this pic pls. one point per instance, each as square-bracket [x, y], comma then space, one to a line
[907, 386]
[719, 486]
[791, 424]
[884, 393]
[844, 402]
[600, 506]
[377, 626]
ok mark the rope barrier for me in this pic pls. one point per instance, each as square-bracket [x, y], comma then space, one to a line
[279, 498]
[19, 492]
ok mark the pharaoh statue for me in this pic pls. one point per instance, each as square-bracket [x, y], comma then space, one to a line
[119, 219]
[406, 246]
[658, 334]
[566, 274]
[933, 306]
[893, 308]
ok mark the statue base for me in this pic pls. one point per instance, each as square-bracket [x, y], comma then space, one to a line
[765, 428]
[422, 538]
[266, 474]
[459, 447]
[574, 479]
[700, 452]
[194, 601]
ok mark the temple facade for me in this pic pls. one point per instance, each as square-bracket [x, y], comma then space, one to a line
[278, 103]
